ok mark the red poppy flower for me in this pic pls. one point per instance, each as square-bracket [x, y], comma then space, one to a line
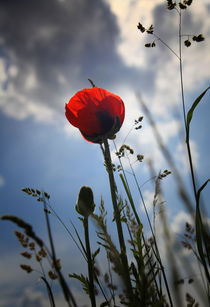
[96, 112]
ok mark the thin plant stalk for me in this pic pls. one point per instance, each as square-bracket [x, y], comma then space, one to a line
[162, 41]
[66, 228]
[127, 280]
[183, 103]
[90, 263]
[138, 221]
[197, 199]
[85, 257]
[66, 291]
[180, 184]
[112, 291]
[49, 291]
[157, 254]
[100, 287]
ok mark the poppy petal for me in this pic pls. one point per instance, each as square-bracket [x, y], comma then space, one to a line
[94, 111]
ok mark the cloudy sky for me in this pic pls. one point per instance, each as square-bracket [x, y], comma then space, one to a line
[48, 50]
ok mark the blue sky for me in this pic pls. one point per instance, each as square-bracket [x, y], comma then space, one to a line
[48, 50]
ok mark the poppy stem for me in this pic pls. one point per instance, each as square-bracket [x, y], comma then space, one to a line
[113, 189]
[90, 263]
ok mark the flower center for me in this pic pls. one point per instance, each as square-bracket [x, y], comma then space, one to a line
[106, 121]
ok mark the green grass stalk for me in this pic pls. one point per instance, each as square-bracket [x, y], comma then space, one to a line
[49, 291]
[66, 291]
[90, 263]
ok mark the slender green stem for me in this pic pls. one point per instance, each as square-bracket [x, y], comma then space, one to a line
[191, 168]
[180, 67]
[156, 253]
[68, 231]
[50, 294]
[102, 291]
[168, 157]
[66, 291]
[183, 103]
[107, 157]
[160, 39]
[90, 263]
[200, 233]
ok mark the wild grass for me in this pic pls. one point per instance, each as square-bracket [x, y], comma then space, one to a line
[137, 275]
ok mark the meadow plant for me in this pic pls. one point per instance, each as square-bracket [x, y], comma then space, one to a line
[136, 273]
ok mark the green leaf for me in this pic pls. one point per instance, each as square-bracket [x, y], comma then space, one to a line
[190, 113]
[83, 280]
[96, 253]
[201, 188]
[123, 219]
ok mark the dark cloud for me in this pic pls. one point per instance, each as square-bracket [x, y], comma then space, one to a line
[75, 39]
[63, 43]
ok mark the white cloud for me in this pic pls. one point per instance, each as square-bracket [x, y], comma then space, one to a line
[32, 297]
[148, 199]
[129, 13]
[13, 71]
[71, 131]
[31, 81]
[178, 223]
[3, 75]
[16, 105]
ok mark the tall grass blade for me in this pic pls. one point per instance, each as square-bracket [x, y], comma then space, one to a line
[190, 113]
[80, 241]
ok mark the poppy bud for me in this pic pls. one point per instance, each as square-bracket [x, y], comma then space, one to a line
[85, 202]
[97, 113]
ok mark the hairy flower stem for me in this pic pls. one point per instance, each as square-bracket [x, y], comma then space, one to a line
[124, 259]
[90, 263]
